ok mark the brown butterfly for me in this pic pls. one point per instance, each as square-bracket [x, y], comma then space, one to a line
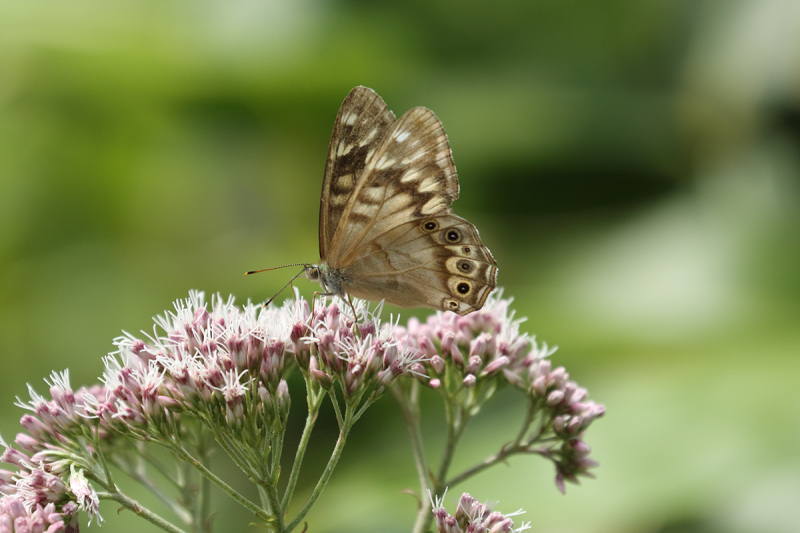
[386, 231]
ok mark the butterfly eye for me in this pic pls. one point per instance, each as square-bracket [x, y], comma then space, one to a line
[463, 288]
[430, 225]
[464, 266]
[453, 235]
[452, 304]
[466, 249]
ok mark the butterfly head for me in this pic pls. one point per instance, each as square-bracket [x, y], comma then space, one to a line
[312, 272]
[331, 280]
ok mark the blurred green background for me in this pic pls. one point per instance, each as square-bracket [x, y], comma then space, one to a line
[633, 166]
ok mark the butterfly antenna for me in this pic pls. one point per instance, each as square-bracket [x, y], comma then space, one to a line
[284, 287]
[276, 268]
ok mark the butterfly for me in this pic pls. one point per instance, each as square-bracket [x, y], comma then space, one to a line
[386, 230]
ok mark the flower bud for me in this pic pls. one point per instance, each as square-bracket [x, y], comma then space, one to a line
[495, 365]
[555, 398]
[474, 364]
[469, 380]
[323, 379]
[332, 317]
[455, 355]
[438, 364]
[434, 383]
[447, 341]
[539, 386]
[559, 423]
[557, 377]
[284, 400]
[28, 443]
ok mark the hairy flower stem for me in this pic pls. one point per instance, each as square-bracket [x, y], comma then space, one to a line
[134, 506]
[326, 474]
[314, 403]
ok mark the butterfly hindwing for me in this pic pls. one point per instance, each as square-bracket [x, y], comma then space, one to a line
[362, 121]
[436, 261]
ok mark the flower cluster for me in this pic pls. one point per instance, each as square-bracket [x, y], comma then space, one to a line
[225, 367]
[473, 517]
[16, 517]
[43, 494]
[221, 363]
[485, 349]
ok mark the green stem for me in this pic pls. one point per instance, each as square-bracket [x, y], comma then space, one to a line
[455, 428]
[277, 452]
[326, 474]
[335, 402]
[492, 460]
[313, 412]
[411, 416]
[227, 489]
[134, 506]
[275, 505]
[204, 510]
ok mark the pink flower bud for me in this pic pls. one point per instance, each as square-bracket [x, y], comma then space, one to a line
[438, 364]
[495, 365]
[455, 355]
[478, 345]
[555, 398]
[469, 380]
[557, 377]
[16, 458]
[434, 383]
[284, 400]
[34, 426]
[447, 341]
[332, 318]
[539, 386]
[367, 328]
[426, 346]
[474, 364]
[28, 443]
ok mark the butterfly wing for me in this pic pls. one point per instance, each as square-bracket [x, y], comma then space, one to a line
[392, 238]
[437, 261]
[362, 121]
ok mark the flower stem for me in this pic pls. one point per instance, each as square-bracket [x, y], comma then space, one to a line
[134, 506]
[313, 410]
[227, 489]
[411, 416]
[326, 474]
[486, 463]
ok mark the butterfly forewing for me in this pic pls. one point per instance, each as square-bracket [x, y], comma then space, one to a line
[409, 175]
[360, 125]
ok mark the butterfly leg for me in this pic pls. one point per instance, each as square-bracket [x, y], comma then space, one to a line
[314, 299]
[355, 315]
